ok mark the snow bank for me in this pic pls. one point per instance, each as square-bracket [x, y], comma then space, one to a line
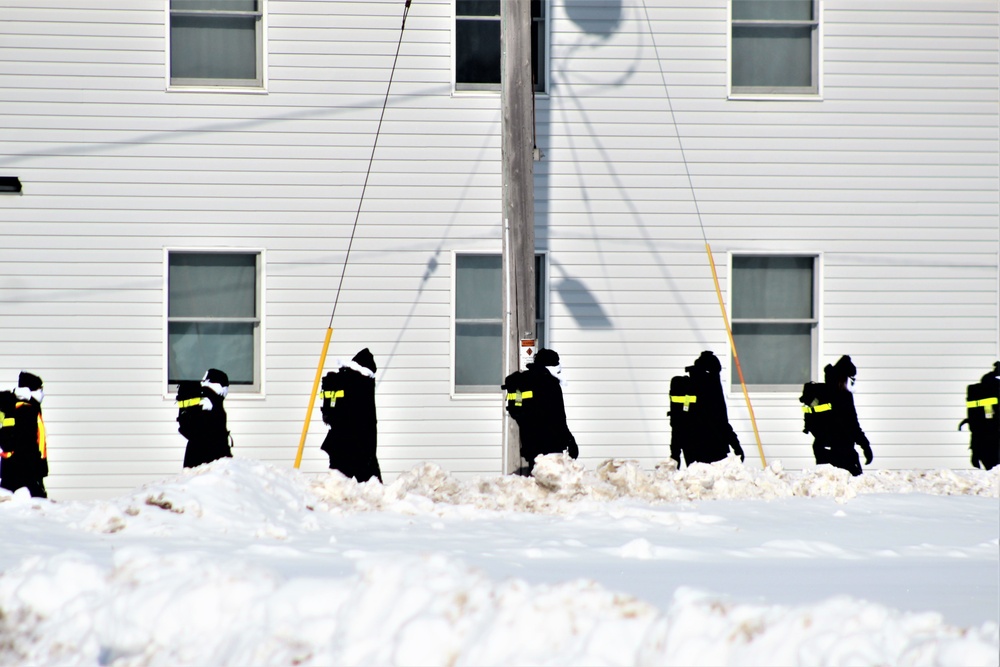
[179, 609]
[190, 594]
[559, 484]
[222, 496]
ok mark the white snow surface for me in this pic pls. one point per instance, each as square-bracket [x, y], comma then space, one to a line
[239, 562]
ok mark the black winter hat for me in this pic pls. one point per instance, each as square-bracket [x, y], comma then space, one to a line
[707, 362]
[845, 366]
[215, 376]
[546, 357]
[29, 381]
[365, 358]
[843, 369]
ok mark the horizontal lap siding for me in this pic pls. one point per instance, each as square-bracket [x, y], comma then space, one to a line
[115, 168]
[891, 178]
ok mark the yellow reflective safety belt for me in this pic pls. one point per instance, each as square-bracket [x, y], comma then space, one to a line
[985, 403]
[5, 420]
[686, 400]
[333, 395]
[822, 407]
[518, 396]
[188, 403]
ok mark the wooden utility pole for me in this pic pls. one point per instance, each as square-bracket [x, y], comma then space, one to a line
[517, 155]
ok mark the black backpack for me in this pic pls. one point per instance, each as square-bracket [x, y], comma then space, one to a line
[7, 405]
[817, 409]
[332, 389]
[982, 405]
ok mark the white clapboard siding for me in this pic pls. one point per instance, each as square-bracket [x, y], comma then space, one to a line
[889, 177]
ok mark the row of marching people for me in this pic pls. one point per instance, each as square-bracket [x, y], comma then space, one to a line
[348, 409]
[700, 429]
[699, 422]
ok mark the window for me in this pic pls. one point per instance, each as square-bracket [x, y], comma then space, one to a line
[216, 43]
[775, 47]
[774, 320]
[213, 316]
[477, 44]
[479, 321]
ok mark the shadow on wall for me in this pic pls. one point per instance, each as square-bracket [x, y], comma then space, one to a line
[585, 310]
[599, 18]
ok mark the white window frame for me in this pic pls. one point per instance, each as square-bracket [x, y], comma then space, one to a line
[258, 388]
[816, 346]
[815, 93]
[543, 328]
[259, 85]
[542, 87]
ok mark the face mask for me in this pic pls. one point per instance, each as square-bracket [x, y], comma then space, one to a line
[24, 394]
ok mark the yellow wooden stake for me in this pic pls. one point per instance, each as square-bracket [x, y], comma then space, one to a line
[736, 357]
[312, 396]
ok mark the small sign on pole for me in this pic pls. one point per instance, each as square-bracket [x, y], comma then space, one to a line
[527, 352]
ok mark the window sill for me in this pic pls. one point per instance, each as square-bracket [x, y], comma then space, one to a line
[477, 395]
[217, 89]
[775, 97]
[239, 396]
[490, 93]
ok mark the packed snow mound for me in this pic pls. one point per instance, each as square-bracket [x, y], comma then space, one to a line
[223, 496]
[150, 609]
[560, 484]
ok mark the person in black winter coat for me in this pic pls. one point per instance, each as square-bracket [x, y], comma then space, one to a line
[983, 406]
[700, 428]
[836, 445]
[535, 401]
[25, 455]
[201, 418]
[349, 409]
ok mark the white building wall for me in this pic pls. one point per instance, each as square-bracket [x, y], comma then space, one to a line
[891, 178]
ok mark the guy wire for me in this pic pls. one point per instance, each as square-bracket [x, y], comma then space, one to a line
[704, 236]
[371, 160]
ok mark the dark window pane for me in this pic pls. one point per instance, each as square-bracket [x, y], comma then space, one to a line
[212, 285]
[477, 45]
[772, 57]
[478, 355]
[213, 47]
[477, 8]
[216, 5]
[478, 287]
[775, 354]
[772, 10]
[194, 347]
[772, 288]
[537, 55]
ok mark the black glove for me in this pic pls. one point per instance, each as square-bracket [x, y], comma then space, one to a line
[975, 461]
[867, 449]
[738, 451]
[574, 451]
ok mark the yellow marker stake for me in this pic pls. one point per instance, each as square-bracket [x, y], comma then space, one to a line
[736, 357]
[312, 396]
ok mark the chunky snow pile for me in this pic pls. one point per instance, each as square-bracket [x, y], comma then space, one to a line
[559, 483]
[243, 563]
[179, 610]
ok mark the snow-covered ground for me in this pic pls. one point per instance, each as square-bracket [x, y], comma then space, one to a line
[240, 562]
